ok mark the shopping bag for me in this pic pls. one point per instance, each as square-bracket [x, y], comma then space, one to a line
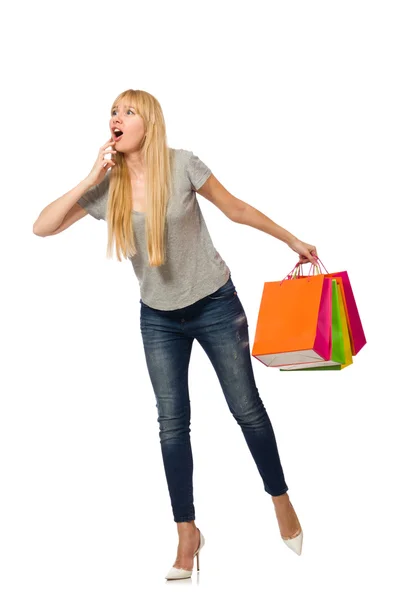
[341, 353]
[356, 331]
[337, 347]
[345, 331]
[294, 321]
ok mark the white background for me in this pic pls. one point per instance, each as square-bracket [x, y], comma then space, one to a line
[293, 107]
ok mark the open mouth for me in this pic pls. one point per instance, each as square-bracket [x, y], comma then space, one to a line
[117, 134]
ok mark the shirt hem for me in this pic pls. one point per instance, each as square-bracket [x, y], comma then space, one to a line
[211, 290]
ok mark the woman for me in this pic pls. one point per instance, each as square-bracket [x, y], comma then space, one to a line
[146, 192]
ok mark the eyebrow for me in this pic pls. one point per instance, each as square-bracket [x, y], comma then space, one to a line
[124, 105]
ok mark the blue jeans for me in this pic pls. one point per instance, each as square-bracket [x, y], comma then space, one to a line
[219, 323]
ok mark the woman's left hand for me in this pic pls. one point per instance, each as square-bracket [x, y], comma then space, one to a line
[305, 251]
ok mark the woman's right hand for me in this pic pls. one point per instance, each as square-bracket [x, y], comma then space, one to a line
[101, 166]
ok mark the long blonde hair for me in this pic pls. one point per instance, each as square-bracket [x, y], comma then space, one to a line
[158, 158]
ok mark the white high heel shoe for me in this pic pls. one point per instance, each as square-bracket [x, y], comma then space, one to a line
[176, 573]
[295, 543]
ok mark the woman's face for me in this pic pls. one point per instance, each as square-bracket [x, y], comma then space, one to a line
[131, 124]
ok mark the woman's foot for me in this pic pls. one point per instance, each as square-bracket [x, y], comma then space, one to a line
[288, 521]
[189, 541]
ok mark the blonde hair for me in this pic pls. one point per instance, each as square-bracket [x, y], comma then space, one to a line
[157, 157]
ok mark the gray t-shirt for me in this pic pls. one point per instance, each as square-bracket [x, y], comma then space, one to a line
[193, 268]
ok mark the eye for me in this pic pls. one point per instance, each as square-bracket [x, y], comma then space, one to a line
[129, 110]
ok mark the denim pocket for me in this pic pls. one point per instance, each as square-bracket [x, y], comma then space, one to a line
[226, 291]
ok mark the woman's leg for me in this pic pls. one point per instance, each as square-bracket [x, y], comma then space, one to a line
[222, 331]
[167, 351]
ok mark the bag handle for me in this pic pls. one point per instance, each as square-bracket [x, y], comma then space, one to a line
[318, 260]
[297, 271]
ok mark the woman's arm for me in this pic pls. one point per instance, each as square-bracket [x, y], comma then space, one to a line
[52, 215]
[242, 212]
[248, 215]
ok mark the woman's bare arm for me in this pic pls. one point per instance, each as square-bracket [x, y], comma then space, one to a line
[63, 212]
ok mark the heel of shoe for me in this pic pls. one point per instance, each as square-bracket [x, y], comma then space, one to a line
[197, 553]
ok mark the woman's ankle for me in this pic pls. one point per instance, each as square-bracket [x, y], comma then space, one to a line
[186, 526]
[281, 500]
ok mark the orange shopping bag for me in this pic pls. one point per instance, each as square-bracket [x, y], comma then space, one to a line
[340, 327]
[294, 321]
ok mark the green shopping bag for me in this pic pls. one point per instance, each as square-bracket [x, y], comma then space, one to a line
[338, 355]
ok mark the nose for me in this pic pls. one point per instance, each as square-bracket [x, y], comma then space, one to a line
[116, 122]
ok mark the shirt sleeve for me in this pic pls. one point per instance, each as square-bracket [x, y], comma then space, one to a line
[94, 201]
[197, 171]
